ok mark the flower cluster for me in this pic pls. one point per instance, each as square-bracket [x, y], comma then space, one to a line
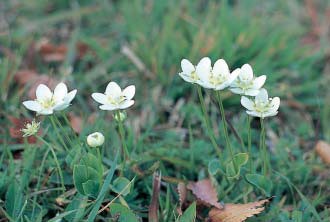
[240, 81]
[47, 102]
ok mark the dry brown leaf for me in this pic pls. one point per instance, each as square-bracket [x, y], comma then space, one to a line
[236, 212]
[205, 192]
[25, 76]
[76, 122]
[57, 53]
[154, 204]
[182, 191]
[322, 148]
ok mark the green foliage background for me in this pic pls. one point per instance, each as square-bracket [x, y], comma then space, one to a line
[165, 126]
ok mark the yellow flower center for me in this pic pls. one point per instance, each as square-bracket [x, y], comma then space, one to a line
[47, 103]
[116, 101]
[194, 76]
[217, 80]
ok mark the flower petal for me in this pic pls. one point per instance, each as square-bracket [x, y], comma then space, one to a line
[247, 103]
[108, 107]
[129, 92]
[32, 105]
[100, 98]
[70, 96]
[46, 112]
[220, 68]
[43, 92]
[203, 68]
[237, 91]
[186, 78]
[187, 67]
[126, 104]
[254, 113]
[113, 89]
[262, 95]
[251, 92]
[246, 73]
[275, 103]
[259, 82]
[60, 91]
[61, 106]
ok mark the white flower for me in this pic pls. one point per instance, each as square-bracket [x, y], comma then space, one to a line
[114, 98]
[47, 102]
[262, 106]
[95, 139]
[219, 77]
[189, 71]
[31, 129]
[246, 83]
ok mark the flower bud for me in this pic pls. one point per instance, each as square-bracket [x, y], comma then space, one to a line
[95, 139]
[120, 116]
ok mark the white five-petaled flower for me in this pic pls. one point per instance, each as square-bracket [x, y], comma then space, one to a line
[189, 71]
[217, 78]
[262, 106]
[95, 139]
[246, 83]
[47, 102]
[114, 98]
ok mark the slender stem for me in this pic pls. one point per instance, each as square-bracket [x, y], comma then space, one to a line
[207, 122]
[99, 154]
[249, 141]
[39, 179]
[225, 128]
[122, 136]
[56, 161]
[69, 124]
[63, 130]
[57, 133]
[263, 147]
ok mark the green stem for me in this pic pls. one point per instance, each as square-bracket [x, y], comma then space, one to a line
[63, 130]
[57, 133]
[122, 137]
[39, 179]
[69, 124]
[207, 122]
[225, 128]
[249, 142]
[56, 161]
[263, 147]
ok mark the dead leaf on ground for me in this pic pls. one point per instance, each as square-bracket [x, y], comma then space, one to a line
[25, 76]
[182, 191]
[57, 53]
[154, 204]
[322, 148]
[237, 212]
[76, 123]
[205, 192]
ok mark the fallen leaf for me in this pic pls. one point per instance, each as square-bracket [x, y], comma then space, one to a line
[57, 53]
[182, 191]
[322, 148]
[76, 122]
[205, 192]
[154, 204]
[25, 76]
[236, 212]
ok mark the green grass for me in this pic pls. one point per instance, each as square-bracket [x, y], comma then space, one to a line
[165, 129]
